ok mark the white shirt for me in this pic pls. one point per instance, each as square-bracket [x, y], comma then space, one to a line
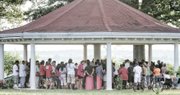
[15, 70]
[127, 64]
[53, 69]
[70, 68]
[166, 76]
[63, 72]
[22, 70]
[137, 71]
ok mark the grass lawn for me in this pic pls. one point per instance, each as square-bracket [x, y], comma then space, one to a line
[84, 92]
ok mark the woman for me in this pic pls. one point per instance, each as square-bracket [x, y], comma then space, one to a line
[48, 75]
[89, 71]
[62, 77]
[99, 76]
[80, 74]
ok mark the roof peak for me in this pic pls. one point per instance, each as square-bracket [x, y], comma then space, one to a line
[95, 16]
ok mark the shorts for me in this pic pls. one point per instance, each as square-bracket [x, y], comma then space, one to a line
[71, 78]
[63, 80]
[137, 79]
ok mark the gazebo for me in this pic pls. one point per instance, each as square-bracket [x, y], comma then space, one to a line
[94, 22]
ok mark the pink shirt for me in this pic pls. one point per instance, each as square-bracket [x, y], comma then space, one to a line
[42, 70]
[58, 73]
[123, 72]
[48, 71]
[80, 71]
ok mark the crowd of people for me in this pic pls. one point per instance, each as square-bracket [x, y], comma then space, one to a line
[88, 74]
[142, 74]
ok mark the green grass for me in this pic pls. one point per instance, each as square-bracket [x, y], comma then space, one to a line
[84, 92]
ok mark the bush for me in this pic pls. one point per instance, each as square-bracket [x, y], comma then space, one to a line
[118, 83]
[170, 69]
[9, 59]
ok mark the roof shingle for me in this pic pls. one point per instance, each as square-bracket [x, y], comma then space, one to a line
[95, 16]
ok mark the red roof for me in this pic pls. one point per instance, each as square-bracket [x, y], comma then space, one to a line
[95, 16]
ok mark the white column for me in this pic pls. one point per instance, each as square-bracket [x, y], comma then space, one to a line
[176, 57]
[25, 52]
[85, 52]
[109, 68]
[97, 52]
[33, 68]
[149, 53]
[1, 61]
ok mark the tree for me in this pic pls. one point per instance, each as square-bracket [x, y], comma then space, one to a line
[170, 69]
[167, 11]
[10, 13]
[40, 9]
[9, 59]
[163, 10]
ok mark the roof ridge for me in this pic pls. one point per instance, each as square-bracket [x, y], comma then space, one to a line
[61, 14]
[104, 16]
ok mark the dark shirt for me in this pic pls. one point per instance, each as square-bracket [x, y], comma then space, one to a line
[89, 69]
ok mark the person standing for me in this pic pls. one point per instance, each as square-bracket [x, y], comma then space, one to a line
[70, 74]
[48, 75]
[144, 71]
[80, 74]
[62, 76]
[99, 76]
[16, 74]
[27, 74]
[123, 73]
[157, 73]
[130, 75]
[163, 69]
[42, 74]
[137, 75]
[148, 75]
[22, 74]
[54, 78]
[89, 71]
[37, 74]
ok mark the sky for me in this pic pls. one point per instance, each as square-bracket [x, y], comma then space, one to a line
[119, 52]
[64, 47]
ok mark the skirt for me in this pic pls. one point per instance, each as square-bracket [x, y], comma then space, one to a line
[98, 82]
[89, 83]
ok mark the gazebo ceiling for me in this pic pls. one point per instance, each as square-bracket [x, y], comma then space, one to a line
[94, 16]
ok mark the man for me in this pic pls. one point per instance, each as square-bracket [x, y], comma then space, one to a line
[16, 74]
[130, 75]
[42, 74]
[22, 74]
[137, 74]
[123, 73]
[157, 73]
[148, 74]
[70, 74]
[37, 74]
